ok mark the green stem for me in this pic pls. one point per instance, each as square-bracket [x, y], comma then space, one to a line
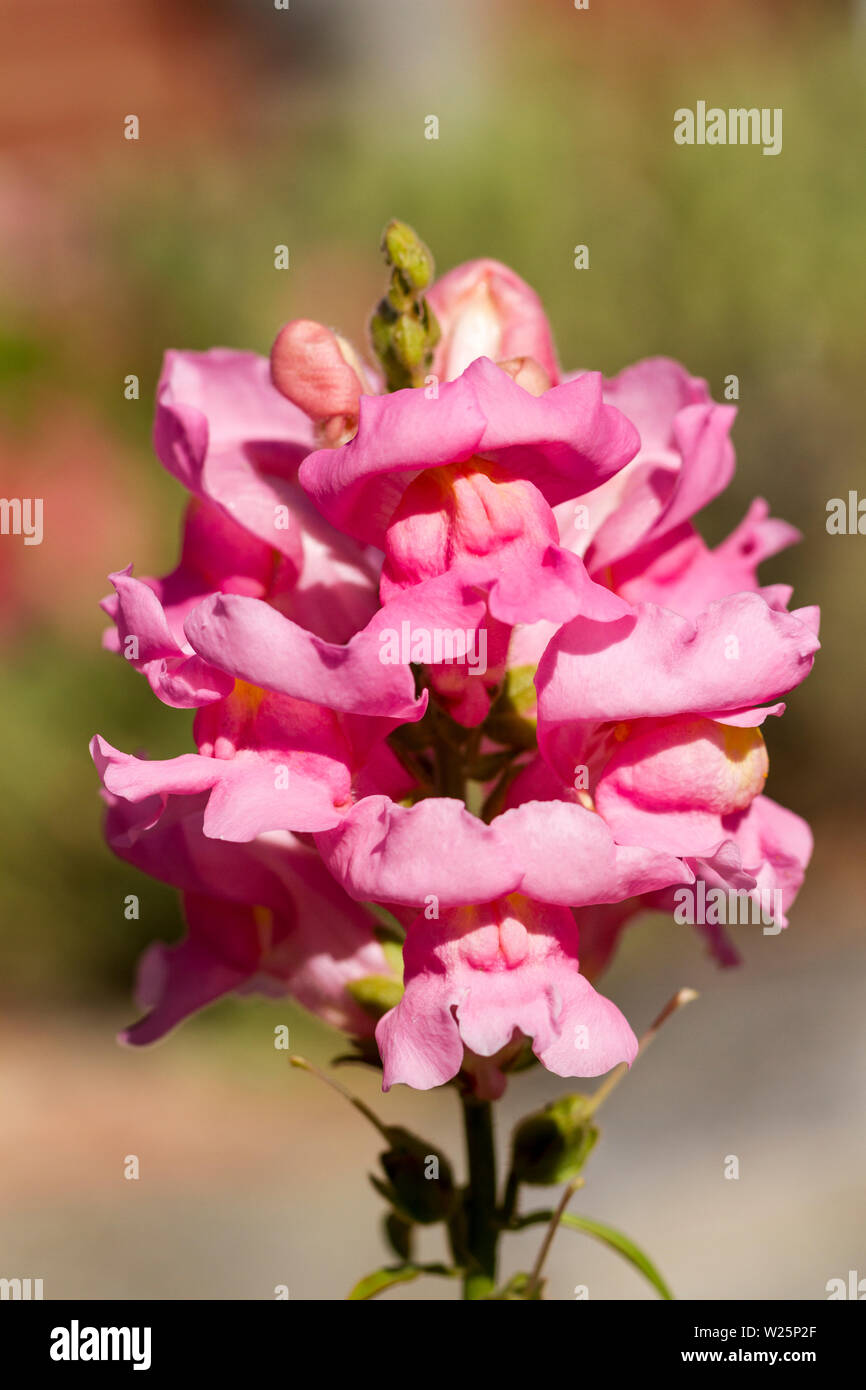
[482, 1227]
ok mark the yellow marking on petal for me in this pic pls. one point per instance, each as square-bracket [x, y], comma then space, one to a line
[746, 753]
[249, 697]
[263, 918]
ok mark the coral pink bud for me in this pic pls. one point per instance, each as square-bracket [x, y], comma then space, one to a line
[316, 370]
[527, 373]
[485, 310]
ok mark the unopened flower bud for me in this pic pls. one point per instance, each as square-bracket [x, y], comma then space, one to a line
[405, 250]
[420, 1181]
[317, 371]
[485, 310]
[527, 373]
[552, 1145]
[409, 341]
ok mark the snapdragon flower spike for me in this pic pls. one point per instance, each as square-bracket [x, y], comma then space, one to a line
[351, 558]
[262, 917]
[661, 716]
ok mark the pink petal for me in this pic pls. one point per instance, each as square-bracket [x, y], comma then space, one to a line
[481, 974]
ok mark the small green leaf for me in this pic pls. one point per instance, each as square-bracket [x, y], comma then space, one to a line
[420, 1180]
[381, 1279]
[608, 1236]
[623, 1246]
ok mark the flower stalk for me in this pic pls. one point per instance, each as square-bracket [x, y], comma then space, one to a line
[482, 1226]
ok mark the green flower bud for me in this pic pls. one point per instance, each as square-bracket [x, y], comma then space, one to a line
[405, 250]
[552, 1145]
[420, 1182]
[409, 342]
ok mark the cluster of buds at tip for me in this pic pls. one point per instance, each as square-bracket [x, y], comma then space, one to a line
[404, 329]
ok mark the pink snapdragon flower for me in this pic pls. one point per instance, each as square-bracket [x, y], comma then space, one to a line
[463, 484]
[492, 950]
[635, 532]
[263, 917]
[659, 732]
[347, 553]
[226, 433]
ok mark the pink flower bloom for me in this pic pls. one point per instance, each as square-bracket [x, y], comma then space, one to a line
[359, 574]
[635, 533]
[284, 749]
[481, 975]
[658, 732]
[265, 916]
[684, 461]
[564, 442]
[555, 851]
[485, 310]
[463, 484]
[147, 633]
[226, 433]
[484, 974]
[679, 571]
